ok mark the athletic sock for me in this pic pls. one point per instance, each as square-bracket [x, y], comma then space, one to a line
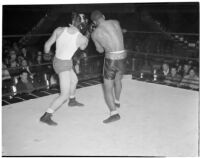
[117, 101]
[49, 110]
[72, 97]
[113, 112]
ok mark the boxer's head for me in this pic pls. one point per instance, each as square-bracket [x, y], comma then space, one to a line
[79, 21]
[96, 16]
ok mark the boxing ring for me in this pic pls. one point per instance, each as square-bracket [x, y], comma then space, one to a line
[156, 120]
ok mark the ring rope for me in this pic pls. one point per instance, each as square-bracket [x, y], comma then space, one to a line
[141, 32]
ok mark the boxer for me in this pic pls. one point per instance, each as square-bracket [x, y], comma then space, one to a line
[108, 38]
[68, 40]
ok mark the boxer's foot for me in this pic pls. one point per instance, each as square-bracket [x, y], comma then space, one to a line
[112, 118]
[46, 118]
[73, 102]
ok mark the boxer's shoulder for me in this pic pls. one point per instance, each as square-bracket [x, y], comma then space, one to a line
[58, 29]
[112, 21]
[95, 33]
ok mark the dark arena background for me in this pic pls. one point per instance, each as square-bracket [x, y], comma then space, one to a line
[159, 112]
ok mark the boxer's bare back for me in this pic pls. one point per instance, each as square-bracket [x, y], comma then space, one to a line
[108, 37]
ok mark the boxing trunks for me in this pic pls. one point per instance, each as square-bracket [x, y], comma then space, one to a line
[114, 62]
[60, 65]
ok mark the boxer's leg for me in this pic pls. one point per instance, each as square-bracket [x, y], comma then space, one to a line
[118, 88]
[121, 68]
[109, 96]
[64, 78]
[108, 90]
[109, 75]
[73, 84]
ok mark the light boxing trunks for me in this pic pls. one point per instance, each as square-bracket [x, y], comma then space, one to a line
[60, 65]
[114, 62]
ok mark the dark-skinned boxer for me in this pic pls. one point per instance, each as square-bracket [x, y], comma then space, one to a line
[108, 38]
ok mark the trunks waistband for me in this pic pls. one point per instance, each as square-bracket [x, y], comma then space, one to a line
[56, 58]
[117, 55]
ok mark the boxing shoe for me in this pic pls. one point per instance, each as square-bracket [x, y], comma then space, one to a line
[73, 102]
[112, 118]
[46, 118]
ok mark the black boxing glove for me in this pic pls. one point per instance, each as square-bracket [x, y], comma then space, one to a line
[89, 30]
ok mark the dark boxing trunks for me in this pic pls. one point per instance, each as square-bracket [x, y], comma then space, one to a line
[60, 65]
[114, 63]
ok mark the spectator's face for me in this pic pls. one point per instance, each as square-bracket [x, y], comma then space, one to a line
[192, 73]
[13, 55]
[39, 58]
[190, 62]
[173, 71]
[13, 64]
[24, 76]
[180, 68]
[165, 67]
[20, 59]
[15, 46]
[24, 50]
[186, 68]
[24, 63]
[39, 53]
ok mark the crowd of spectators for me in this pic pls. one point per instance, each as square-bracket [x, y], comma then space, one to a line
[185, 74]
[27, 70]
[179, 73]
[22, 68]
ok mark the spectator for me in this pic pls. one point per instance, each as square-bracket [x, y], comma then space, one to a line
[5, 57]
[20, 59]
[14, 64]
[26, 55]
[180, 70]
[24, 52]
[25, 84]
[190, 63]
[53, 81]
[5, 73]
[164, 71]
[39, 58]
[191, 80]
[177, 62]
[15, 47]
[48, 57]
[186, 69]
[25, 67]
[13, 55]
[173, 78]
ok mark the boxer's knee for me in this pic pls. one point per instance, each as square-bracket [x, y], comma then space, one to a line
[74, 78]
[118, 76]
[108, 85]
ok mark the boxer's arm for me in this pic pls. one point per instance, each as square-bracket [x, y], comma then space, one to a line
[99, 48]
[83, 42]
[50, 41]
